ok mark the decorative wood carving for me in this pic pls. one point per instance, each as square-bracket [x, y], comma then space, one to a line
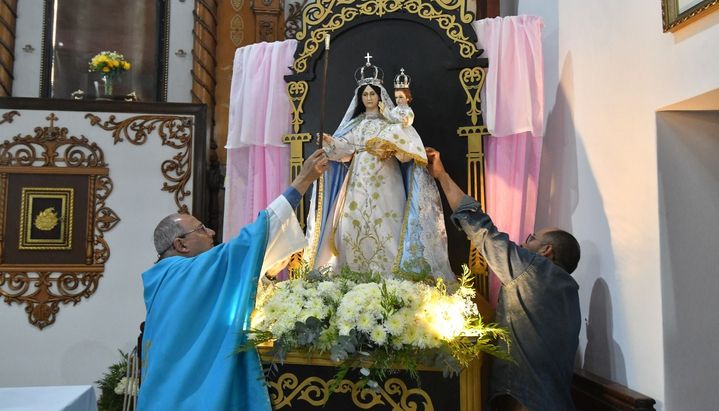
[234, 29]
[175, 132]
[318, 19]
[268, 20]
[302, 382]
[7, 117]
[8, 19]
[204, 49]
[52, 168]
[206, 88]
[293, 19]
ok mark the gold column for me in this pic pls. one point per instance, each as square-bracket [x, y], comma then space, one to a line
[297, 92]
[472, 81]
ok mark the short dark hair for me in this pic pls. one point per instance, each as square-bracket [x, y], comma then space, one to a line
[565, 247]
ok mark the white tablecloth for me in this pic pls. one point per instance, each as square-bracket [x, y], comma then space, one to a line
[65, 398]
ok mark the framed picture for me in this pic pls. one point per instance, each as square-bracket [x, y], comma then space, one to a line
[677, 13]
[76, 30]
[53, 216]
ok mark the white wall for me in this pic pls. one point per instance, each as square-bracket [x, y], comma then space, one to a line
[608, 68]
[29, 31]
[688, 148]
[83, 341]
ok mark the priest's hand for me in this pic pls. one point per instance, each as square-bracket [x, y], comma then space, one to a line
[311, 170]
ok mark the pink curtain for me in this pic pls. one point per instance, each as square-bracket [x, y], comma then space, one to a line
[513, 107]
[257, 160]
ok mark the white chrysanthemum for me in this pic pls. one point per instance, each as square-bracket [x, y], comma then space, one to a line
[378, 335]
[330, 290]
[344, 327]
[365, 322]
[396, 322]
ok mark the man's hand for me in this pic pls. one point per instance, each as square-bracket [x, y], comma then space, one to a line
[311, 170]
[436, 169]
[434, 163]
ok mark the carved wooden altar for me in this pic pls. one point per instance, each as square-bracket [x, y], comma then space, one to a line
[302, 382]
[435, 42]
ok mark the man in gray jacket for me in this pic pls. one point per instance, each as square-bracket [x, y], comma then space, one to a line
[538, 303]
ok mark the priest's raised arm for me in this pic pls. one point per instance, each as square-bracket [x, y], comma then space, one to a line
[198, 299]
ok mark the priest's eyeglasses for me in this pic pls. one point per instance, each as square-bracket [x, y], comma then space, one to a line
[201, 227]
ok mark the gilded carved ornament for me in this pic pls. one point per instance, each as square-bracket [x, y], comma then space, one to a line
[320, 19]
[394, 394]
[472, 80]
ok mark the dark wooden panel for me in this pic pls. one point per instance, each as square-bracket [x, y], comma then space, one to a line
[594, 393]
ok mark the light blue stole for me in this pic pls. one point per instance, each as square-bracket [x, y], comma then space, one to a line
[195, 310]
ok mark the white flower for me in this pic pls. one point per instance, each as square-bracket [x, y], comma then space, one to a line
[365, 322]
[378, 335]
[120, 387]
[124, 387]
[396, 322]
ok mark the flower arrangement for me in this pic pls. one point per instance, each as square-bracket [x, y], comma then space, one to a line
[109, 64]
[114, 384]
[374, 324]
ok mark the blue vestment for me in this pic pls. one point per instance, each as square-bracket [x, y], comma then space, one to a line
[196, 308]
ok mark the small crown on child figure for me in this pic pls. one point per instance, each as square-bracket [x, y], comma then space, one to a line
[402, 80]
[369, 73]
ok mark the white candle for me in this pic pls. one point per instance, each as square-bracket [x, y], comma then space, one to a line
[327, 41]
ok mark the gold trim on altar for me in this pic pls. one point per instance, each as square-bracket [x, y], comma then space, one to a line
[289, 390]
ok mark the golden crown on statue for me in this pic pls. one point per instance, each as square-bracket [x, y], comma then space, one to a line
[369, 73]
[402, 80]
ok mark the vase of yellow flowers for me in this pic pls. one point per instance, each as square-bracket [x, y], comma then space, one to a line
[110, 64]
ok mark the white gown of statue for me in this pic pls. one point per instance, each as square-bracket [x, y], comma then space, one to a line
[367, 216]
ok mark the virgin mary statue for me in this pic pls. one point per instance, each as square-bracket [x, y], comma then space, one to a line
[380, 209]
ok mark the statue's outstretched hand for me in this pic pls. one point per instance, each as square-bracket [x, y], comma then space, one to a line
[434, 163]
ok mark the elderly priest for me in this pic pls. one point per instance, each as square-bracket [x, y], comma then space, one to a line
[199, 297]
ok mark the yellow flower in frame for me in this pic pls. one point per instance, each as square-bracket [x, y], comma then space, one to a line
[108, 62]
